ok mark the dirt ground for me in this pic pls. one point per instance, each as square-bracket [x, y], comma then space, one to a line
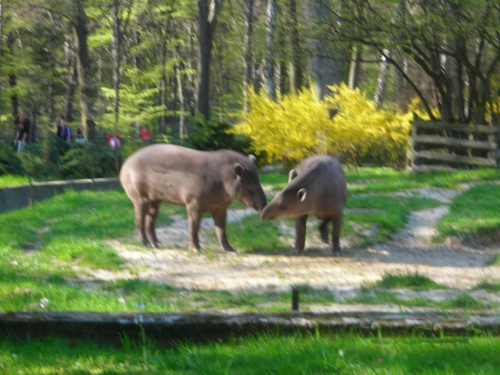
[451, 263]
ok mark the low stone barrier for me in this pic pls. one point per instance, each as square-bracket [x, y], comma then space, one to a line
[202, 327]
[20, 196]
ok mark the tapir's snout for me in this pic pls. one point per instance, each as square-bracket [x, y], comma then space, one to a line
[260, 202]
[266, 213]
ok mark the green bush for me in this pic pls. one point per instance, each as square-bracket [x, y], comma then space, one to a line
[35, 162]
[213, 135]
[9, 161]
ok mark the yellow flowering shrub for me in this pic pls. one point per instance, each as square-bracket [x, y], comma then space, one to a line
[359, 128]
[288, 129]
[299, 125]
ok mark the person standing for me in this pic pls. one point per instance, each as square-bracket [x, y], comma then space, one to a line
[80, 138]
[22, 133]
[145, 134]
[63, 130]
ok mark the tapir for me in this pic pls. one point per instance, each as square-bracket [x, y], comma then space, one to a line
[203, 181]
[316, 187]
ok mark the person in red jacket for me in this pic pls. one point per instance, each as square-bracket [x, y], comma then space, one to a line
[145, 134]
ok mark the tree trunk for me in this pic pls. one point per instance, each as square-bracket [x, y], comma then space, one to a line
[247, 47]
[354, 68]
[297, 64]
[270, 28]
[14, 99]
[70, 91]
[163, 86]
[378, 97]
[116, 45]
[88, 92]
[1, 53]
[326, 64]
[208, 10]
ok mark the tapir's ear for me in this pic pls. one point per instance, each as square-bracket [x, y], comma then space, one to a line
[301, 194]
[238, 169]
[292, 174]
[252, 158]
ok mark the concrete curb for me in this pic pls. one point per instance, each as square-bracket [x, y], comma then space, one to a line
[20, 196]
[201, 327]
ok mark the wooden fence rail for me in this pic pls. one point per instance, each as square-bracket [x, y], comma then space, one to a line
[444, 146]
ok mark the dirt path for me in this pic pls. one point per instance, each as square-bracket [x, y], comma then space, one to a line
[457, 266]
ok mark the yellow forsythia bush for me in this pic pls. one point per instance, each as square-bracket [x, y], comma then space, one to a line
[299, 125]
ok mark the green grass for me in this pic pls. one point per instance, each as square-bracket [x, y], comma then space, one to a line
[475, 212]
[44, 250]
[463, 301]
[10, 180]
[495, 260]
[388, 214]
[489, 285]
[413, 281]
[267, 354]
[373, 180]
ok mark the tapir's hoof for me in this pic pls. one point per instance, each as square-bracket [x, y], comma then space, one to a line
[231, 250]
[157, 245]
[338, 253]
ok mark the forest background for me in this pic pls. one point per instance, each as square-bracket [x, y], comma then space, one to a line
[308, 75]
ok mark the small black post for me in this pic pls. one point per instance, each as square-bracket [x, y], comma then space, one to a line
[295, 299]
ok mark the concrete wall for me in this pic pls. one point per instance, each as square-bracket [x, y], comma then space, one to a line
[16, 197]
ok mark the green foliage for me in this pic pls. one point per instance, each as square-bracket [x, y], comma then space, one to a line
[35, 162]
[89, 161]
[216, 135]
[9, 161]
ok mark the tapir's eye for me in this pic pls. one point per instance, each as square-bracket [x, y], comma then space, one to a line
[301, 194]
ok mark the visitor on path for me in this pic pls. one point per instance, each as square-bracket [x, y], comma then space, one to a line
[145, 134]
[80, 138]
[63, 130]
[22, 134]
[114, 141]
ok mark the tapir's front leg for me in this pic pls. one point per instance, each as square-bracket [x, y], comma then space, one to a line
[300, 233]
[220, 217]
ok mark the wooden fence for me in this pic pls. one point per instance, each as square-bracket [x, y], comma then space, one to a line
[445, 146]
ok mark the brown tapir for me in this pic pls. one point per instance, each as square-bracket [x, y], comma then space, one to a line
[203, 181]
[317, 187]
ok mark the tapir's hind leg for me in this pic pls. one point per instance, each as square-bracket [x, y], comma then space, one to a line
[140, 213]
[337, 225]
[300, 233]
[323, 230]
[150, 223]
[194, 219]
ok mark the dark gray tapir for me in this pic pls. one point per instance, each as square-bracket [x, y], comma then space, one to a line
[316, 187]
[203, 181]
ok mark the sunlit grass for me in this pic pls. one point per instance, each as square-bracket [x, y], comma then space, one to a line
[10, 180]
[476, 212]
[413, 281]
[266, 354]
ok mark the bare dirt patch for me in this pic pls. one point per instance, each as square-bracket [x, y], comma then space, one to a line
[454, 265]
